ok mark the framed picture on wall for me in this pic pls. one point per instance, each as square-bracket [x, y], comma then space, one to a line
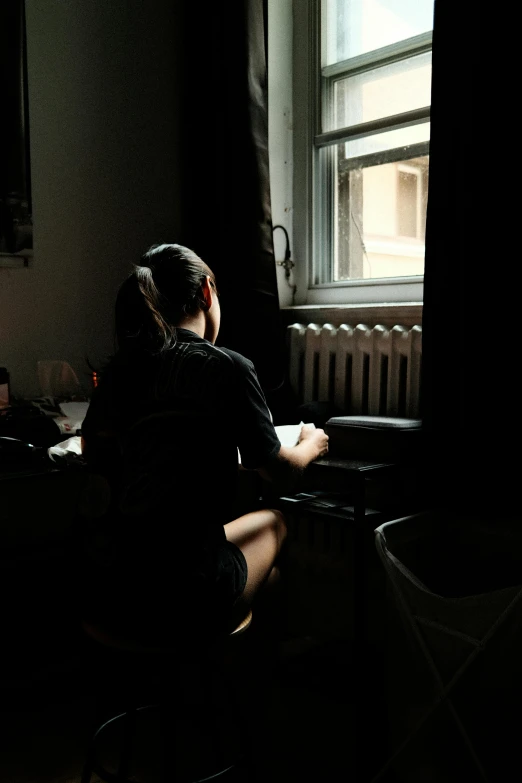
[16, 224]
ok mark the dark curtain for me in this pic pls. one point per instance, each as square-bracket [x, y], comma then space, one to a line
[470, 397]
[225, 189]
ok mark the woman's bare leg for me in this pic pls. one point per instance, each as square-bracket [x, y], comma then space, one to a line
[260, 535]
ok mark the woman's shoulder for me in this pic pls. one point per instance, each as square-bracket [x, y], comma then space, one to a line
[235, 358]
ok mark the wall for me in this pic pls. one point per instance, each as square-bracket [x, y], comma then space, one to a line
[103, 128]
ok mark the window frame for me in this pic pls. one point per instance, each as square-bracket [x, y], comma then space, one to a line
[311, 213]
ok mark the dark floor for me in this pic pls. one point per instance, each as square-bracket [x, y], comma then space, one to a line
[51, 700]
[46, 720]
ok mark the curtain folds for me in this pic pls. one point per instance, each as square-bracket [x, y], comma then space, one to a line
[226, 208]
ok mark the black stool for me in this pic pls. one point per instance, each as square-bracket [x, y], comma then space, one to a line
[199, 726]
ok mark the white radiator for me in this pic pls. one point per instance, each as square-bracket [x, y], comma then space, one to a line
[360, 370]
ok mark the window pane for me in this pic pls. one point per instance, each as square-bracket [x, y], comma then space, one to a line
[382, 92]
[355, 27]
[389, 140]
[379, 217]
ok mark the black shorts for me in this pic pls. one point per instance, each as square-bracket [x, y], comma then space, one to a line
[232, 573]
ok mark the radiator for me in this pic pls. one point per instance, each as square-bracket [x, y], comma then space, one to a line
[359, 370]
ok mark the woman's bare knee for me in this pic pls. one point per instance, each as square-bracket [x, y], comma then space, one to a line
[264, 524]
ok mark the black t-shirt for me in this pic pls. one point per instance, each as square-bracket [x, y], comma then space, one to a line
[166, 430]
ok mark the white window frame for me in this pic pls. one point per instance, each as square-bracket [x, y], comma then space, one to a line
[306, 135]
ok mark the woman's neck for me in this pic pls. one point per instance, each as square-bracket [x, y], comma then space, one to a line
[194, 323]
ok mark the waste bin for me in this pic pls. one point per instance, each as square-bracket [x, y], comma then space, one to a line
[454, 648]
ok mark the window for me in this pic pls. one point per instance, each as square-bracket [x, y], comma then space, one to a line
[362, 88]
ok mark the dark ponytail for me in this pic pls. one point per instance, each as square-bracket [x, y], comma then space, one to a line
[161, 290]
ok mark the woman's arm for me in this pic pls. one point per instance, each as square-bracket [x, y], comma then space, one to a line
[285, 470]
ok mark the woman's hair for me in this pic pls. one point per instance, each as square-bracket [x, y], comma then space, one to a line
[160, 291]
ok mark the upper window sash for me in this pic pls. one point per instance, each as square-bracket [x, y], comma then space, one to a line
[417, 44]
[370, 61]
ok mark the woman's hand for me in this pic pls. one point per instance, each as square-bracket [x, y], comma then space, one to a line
[316, 438]
[285, 470]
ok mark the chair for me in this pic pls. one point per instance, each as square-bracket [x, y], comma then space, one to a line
[182, 692]
[455, 680]
[192, 731]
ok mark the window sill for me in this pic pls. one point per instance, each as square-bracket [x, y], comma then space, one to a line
[386, 313]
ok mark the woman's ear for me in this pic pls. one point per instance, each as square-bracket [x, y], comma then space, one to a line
[206, 294]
